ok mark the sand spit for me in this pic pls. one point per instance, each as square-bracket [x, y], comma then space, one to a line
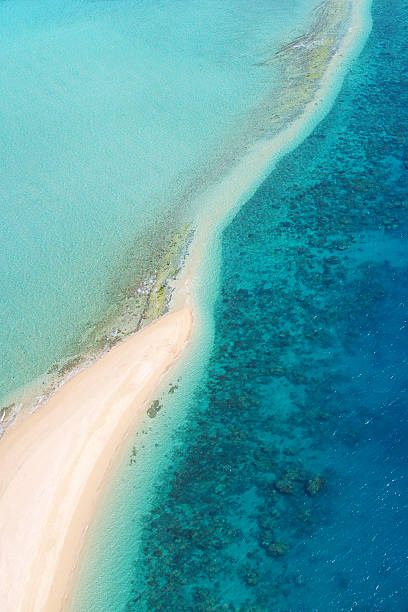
[53, 462]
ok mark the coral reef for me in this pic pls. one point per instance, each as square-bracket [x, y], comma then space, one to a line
[315, 485]
[309, 259]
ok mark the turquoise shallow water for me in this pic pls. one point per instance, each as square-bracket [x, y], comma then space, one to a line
[114, 114]
[285, 488]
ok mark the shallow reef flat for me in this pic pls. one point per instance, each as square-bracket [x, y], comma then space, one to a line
[303, 61]
[94, 229]
[133, 304]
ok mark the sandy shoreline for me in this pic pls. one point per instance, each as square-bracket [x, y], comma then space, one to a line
[54, 461]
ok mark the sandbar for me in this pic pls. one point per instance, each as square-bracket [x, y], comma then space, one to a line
[53, 462]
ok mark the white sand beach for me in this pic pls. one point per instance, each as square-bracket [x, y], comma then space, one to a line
[53, 462]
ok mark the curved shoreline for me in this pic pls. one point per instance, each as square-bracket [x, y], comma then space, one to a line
[54, 462]
[61, 454]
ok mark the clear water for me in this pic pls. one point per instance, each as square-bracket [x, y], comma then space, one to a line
[285, 488]
[113, 115]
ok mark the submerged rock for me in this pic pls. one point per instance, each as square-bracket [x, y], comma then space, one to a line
[154, 408]
[276, 549]
[251, 578]
[277, 370]
[284, 485]
[315, 485]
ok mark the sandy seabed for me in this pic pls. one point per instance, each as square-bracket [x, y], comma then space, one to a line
[54, 462]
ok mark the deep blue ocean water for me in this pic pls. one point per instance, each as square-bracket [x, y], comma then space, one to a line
[287, 489]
